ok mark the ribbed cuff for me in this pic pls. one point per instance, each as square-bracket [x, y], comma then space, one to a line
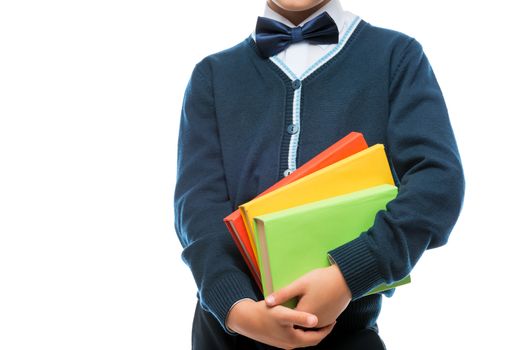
[358, 266]
[236, 302]
[225, 292]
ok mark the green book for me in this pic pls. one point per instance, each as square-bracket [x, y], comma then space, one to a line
[296, 240]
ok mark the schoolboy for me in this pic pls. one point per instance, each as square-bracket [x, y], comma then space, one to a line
[309, 74]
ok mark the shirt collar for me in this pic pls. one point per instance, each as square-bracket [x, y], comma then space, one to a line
[333, 8]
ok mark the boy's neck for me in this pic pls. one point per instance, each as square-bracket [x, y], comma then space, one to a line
[295, 17]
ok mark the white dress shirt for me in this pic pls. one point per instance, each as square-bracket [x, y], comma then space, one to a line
[299, 56]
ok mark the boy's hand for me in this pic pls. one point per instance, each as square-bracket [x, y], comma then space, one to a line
[322, 292]
[275, 326]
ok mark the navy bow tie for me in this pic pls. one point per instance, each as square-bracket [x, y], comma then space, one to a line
[273, 36]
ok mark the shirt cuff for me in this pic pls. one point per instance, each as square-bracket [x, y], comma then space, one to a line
[331, 260]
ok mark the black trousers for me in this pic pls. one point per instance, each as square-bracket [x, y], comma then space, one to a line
[207, 334]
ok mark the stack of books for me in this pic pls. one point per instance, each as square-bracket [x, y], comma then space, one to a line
[287, 230]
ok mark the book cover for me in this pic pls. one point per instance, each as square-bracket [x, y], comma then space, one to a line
[295, 241]
[362, 170]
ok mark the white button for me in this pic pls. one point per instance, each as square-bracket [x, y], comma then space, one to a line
[287, 172]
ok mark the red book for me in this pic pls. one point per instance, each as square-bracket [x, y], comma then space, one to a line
[350, 144]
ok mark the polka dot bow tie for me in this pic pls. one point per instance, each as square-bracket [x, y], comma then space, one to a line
[273, 36]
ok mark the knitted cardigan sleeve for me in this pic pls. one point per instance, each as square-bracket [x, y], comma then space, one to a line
[201, 201]
[423, 153]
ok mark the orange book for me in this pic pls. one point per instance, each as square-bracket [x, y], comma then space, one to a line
[350, 144]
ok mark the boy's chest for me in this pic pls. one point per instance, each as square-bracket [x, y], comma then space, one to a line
[271, 126]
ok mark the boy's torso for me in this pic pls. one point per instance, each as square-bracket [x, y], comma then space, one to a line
[259, 107]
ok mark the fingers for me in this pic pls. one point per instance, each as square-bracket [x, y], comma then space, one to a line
[288, 316]
[313, 337]
[290, 291]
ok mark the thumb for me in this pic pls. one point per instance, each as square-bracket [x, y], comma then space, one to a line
[290, 291]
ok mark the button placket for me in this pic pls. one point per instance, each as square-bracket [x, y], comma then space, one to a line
[294, 128]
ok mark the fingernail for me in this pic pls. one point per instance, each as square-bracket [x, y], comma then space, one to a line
[311, 320]
[270, 299]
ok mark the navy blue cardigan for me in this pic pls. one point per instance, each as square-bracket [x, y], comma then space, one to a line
[247, 121]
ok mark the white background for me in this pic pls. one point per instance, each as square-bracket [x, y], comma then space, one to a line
[90, 98]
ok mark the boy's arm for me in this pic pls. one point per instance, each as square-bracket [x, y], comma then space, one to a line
[201, 201]
[424, 155]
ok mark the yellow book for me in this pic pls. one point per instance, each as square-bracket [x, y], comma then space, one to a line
[362, 170]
